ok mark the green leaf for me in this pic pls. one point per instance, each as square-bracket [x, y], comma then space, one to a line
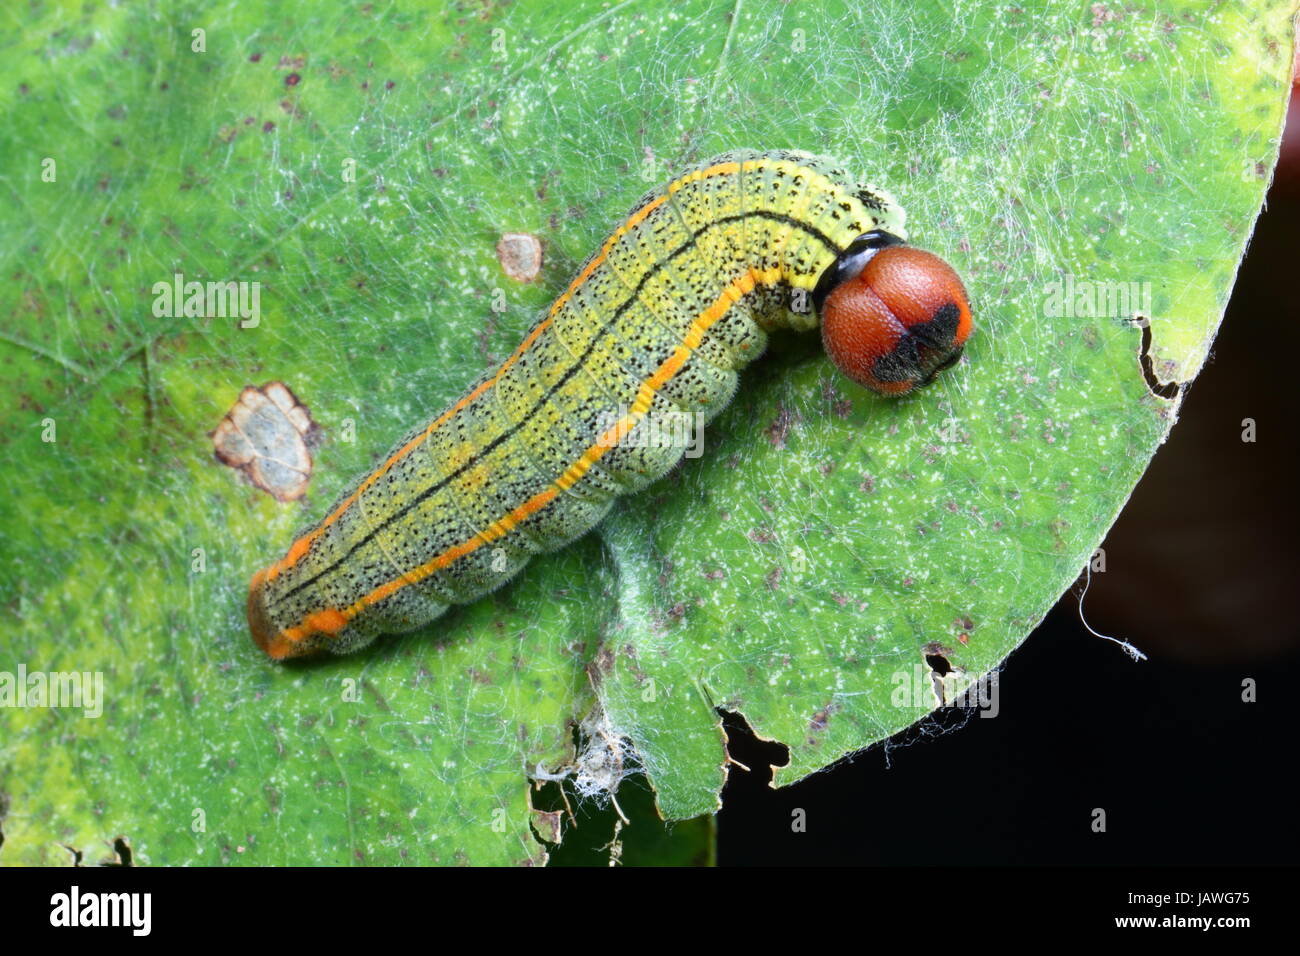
[800, 573]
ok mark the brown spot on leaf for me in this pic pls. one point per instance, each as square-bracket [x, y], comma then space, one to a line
[601, 665]
[520, 255]
[268, 436]
[780, 427]
[821, 718]
[962, 626]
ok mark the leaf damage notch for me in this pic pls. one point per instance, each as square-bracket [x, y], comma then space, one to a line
[945, 676]
[747, 750]
[1167, 390]
[268, 436]
[547, 825]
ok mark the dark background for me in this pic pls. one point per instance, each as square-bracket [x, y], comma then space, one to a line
[1201, 575]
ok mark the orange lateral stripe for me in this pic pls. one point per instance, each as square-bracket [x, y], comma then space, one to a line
[734, 291]
[300, 547]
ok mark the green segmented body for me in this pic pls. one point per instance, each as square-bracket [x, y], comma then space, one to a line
[658, 322]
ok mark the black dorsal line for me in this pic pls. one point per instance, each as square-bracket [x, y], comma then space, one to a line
[569, 372]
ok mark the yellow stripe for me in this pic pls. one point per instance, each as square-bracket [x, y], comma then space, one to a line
[332, 621]
[300, 547]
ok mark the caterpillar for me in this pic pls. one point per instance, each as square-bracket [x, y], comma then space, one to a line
[658, 321]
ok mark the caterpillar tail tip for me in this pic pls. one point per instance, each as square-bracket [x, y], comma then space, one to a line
[265, 635]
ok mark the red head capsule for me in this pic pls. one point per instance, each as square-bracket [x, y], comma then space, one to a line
[899, 320]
